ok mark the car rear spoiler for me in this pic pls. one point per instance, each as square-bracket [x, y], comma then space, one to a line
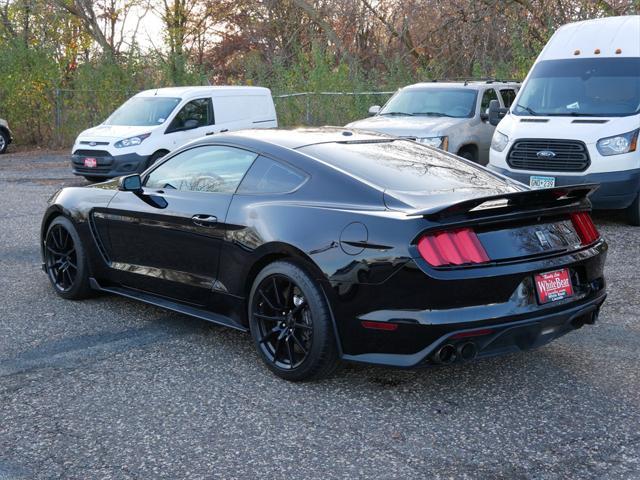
[547, 200]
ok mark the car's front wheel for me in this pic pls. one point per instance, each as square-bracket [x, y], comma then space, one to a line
[65, 260]
[291, 323]
[4, 141]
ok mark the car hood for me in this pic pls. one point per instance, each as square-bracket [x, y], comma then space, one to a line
[407, 126]
[114, 132]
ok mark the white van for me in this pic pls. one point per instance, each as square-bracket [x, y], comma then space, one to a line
[577, 117]
[154, 122]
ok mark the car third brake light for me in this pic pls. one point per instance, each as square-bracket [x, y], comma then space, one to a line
[585, 228]
[455, 247]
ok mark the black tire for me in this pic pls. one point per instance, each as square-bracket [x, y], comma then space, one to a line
[304, 336]
[66, 261]
[633, 212]
[4, 141]
[155, 157]
[94, 179]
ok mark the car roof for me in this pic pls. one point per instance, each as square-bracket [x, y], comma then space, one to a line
[189, 91]
[301, 137]
[472, 85]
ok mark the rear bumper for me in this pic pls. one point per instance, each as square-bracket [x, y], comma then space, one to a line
[494, 337]
[109, 166]
[617, 189]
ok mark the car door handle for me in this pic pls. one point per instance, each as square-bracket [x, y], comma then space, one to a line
[204, 220]
[210, 133]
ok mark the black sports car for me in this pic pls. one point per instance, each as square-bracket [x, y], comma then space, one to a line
[331, 244]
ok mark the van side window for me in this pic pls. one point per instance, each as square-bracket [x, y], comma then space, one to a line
[489, 94]
[508, 96]
[195, 114]
[269, 176]
[210, 168]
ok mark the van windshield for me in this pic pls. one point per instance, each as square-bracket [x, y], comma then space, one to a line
[436, 102]
[143, 111]
[589, 87]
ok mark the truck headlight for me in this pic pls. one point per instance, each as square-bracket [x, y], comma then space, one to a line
[131, 141]
[438, 142]
[499, 141]
[618, 144]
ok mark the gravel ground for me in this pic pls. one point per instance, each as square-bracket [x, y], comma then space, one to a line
[110, 388]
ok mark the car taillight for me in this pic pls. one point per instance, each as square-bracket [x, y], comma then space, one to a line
[585, 228]
[455, 247]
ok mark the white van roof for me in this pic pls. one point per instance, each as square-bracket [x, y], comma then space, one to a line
[188, 92]
[604, 34]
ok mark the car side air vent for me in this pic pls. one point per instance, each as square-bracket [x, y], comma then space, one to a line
[534, 120]
[590, 121]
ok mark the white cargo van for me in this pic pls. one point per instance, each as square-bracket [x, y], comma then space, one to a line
[155, 122]
[577, 117]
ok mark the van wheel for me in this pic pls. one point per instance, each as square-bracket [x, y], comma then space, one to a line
[4, 141]
[155, 157]
[633, 212]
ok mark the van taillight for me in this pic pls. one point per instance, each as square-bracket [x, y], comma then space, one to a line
[456, 247]
[585, 228]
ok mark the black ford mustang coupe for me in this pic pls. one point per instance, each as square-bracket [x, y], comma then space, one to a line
[331, 244]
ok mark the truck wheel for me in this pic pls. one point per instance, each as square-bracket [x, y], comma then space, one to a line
[633, 212]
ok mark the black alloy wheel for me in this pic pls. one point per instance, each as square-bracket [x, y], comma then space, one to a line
[64, 260]
[291, 324]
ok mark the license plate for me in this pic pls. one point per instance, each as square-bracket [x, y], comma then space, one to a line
[554, 286]
[90, 162]
[536, 181]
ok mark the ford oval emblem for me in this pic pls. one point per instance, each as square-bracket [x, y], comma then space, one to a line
[545, 154]
[93, 144]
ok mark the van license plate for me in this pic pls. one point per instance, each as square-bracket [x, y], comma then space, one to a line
[90, 162]
[554, 286]
[536, 181]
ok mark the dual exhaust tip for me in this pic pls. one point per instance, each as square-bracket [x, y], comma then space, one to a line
[449, 353]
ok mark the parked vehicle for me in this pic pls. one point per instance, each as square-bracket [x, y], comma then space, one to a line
[331, 244]
[577, 118]
[6, 137]
[155, 122]
[451, 116]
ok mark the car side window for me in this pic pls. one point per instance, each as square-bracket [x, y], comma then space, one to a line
[508, 96]
[195, 114]
[489, 94]
[270, 176]
[209, 168]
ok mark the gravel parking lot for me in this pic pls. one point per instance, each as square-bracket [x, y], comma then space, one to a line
[111, 388]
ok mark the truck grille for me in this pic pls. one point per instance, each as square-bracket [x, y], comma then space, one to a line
[549, 155]
[92, 153]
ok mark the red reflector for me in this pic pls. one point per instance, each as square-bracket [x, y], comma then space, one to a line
[457, 247]
[389, 327]
[585, 227]
[474, 333]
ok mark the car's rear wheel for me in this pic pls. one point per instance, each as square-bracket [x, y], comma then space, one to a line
[65, 260]
[633, 212]
[291, 323]
[4, 141]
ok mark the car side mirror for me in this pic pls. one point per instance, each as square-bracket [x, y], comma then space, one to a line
[496, 112]
[130, 183]
[191, 124]
[374, 110]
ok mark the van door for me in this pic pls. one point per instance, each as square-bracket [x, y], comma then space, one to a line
[194, 120]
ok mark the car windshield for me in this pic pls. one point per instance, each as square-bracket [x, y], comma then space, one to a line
[436, 102]
[594, 87]
[143, 111]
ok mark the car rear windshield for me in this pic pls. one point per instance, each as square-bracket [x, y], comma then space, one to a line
[594, 87]
[432, 102]
[404, 166]
[143, 111]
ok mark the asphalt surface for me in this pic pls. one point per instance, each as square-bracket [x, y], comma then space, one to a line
[111, 388]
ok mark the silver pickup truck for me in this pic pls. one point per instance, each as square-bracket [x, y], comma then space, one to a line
[452, 116]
